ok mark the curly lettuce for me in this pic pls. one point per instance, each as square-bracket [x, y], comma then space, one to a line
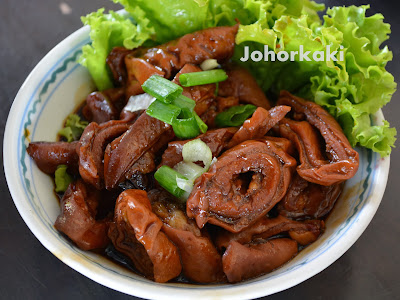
[73, 128]
[351, 90]
[106, 32]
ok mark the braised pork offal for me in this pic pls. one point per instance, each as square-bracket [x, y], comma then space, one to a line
[341, 162]
[243, 197]
[244, 184]
[136, 232]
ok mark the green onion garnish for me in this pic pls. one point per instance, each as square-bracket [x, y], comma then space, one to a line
[204, 77]
[234, 116]
[185, 126]
[180, 180]
[189, 170]
[203, 126]
[162, 89]
[183, 101]
[163, 112]
[167, 178]
[197, 150]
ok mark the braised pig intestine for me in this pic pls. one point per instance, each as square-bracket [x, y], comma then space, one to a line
[225, 197]
[342, 160]
[272, 182]
[136, 226]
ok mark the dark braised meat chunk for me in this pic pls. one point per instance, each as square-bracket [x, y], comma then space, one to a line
[124, 151]
[309, 200]
[78, 217]
[201, 262]
[116, 62]
[136, 232]
[342, 160]
[216, 139]
[242, 186]
[241, 84]
[202, 94]
[223, 103]
[194, 48]
[139, 70]
[91, 148]
[99, 108]
[303, 232]
[259, 124]
[285, 144]
[48, 156]
[242, 262]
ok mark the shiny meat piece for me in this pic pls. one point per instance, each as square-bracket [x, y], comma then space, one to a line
[77, 217]
[259, 124]
[309, 200]
[209, 116]
[99, 108]
[223, 103]
[343, 159]
[285, 144]
[203, 95]
[194, 48]
[48, 156]
[116, 97]
[136, 232]
[146, 163]
[242, 262]
[116, 62]
[307, 232]
[200, 260]
[241, 84]
[91, 148]
[140, 70]
[127, 115]
[216, 139]
[242, 186]
[133, 88]
[123, 152]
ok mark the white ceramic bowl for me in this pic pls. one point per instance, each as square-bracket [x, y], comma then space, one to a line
[53, 89]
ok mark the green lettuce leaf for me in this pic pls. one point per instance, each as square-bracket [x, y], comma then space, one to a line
[351, 90]
[62, 179]
[106, 32]
[73, 128]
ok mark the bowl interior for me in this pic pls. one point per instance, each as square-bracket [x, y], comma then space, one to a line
[53, 90]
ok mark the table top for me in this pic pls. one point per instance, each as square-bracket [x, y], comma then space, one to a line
[28, 30]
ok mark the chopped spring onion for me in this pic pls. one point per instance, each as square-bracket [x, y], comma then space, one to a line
[167, 178]
[216, 89]
[185, 126]
[191, 171]
[183, 101]
[186, 185]
[162, 89]
[62, 178]
[197, 150]
[235, 116]
[179, 181]
[203, 126]
[167, 113]
[209, 64]
[139, 102]
[188, 169]
[204, 77]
